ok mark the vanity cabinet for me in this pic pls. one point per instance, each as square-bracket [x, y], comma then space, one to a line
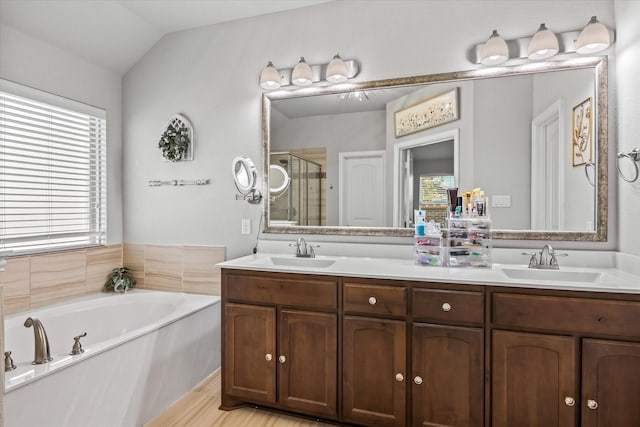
[567, 361]
[280, 348]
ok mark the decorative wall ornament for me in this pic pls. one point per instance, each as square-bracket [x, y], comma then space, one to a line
[581, 132]
[176, 142]
[426, 114]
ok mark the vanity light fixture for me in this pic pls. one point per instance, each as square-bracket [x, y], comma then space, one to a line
[544, 44]
[337, 70]
[495, 51]
[593, 38]
[270, 77]
[302, 75]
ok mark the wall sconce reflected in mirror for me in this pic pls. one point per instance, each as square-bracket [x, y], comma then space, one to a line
[495, 51]
[338, 70]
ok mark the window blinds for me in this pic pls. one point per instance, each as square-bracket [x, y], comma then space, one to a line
[52, 172]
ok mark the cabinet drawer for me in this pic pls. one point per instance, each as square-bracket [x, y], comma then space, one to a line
[439, 305]
[287, 291]
[374, 299]
[566, 314]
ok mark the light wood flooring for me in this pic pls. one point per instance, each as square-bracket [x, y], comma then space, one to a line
[199, 408]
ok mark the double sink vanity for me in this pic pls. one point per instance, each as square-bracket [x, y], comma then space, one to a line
[379, 341]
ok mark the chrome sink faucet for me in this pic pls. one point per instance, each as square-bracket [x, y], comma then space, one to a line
[304, 250]
[548, 258]
[42, 352]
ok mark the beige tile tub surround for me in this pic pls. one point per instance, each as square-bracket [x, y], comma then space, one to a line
[38, 280]
[188, 269]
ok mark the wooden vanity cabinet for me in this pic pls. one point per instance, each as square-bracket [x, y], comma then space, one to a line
[565, 360]
[280, 348]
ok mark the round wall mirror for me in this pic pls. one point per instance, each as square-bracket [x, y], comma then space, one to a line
[245, 174]
[278, 180]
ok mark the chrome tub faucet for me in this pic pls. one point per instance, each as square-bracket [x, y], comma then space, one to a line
[42, 350]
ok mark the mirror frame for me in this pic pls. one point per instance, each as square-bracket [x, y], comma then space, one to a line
[600, 66]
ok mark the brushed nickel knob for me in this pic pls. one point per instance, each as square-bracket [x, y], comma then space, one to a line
[399, 378]
[373, 300]
[417, 380]
[268, 357]
[569, 401]
[446, 307]
[592, 404]
[282, 359]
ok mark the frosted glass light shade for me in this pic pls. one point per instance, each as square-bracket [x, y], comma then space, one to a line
[495, 50]
[270, 77]
[301, 75]
[543, 44]
[593, 38]
[337, 70]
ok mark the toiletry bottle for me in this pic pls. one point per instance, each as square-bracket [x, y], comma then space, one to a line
[420, 222]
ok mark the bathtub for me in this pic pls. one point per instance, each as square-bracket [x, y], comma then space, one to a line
[143, 350]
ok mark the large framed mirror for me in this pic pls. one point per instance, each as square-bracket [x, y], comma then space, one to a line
[362, 157]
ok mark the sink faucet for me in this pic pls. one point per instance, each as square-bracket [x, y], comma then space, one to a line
[42, 352]
[304, 250]
[548, 258]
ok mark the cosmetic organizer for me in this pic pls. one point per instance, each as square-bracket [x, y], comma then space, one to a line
[468, 242]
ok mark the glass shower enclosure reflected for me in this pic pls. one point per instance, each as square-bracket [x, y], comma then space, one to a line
[301, 203]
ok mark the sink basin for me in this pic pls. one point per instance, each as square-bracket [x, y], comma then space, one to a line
[554, 275]
[302, 262]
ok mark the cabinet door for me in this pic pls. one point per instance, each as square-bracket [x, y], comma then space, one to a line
[448, 380]
[308, 361]
[374, 370]
[250, 345]
[610, 383]
[533, 380]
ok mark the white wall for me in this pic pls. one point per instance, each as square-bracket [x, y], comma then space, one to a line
[211, 75]
[628, 89]
[36, 63]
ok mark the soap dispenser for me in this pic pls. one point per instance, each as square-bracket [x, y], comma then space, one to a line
[420, 222]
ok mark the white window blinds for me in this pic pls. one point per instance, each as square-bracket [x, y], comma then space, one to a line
[52, 172]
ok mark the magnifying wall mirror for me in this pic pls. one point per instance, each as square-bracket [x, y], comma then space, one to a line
[278, 180]
[245, 177]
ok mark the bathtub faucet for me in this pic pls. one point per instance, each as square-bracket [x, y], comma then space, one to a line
[42, 353]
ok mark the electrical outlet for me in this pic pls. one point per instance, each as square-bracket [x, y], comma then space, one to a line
[246, 226]
[502, 201]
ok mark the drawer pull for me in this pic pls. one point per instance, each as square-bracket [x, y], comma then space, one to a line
[569, 401]
[417, 380]
[282, 359]
[446, 307]
[399, 378]
[268, 357]
[592, 404]
[373, 300]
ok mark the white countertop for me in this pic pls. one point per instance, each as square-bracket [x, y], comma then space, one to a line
[609, 278]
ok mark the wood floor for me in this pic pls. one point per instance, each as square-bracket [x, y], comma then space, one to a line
[199, 408]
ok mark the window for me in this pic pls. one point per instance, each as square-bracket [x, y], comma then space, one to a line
[433, 189]
[52, 172]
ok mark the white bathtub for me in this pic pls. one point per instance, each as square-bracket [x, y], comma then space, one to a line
[143, 350]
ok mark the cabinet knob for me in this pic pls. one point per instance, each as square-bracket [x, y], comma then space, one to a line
[592, 404]
[373, 300]
[569, 401]
[268, 357]
[282, 359]
[446, 307]
[417, 380]
[399, 378]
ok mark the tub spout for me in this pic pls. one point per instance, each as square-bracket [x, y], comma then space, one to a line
[42, 352]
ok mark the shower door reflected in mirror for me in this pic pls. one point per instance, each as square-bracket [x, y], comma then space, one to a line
[301, 203]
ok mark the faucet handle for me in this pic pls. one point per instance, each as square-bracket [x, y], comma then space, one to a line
[312, 253]
[534, 258]
[77, 345]
[8, 362]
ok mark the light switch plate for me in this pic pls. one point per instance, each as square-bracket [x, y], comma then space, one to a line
[501, 201]
[246, 226]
